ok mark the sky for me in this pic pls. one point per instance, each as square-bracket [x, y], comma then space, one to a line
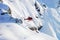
[49, 3]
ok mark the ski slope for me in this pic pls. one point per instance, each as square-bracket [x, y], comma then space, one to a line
[12, 31]
[22, 9]
[26, 11]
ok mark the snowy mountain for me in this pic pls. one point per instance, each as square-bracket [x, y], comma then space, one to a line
[28, 20]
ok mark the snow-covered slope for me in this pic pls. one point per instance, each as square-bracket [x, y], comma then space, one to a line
[26, 14]
[12, 31]
[23, 10]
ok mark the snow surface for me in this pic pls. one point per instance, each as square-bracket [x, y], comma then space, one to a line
[12, 31]
[22, 9]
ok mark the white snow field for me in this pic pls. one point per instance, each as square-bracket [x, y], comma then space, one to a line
[12, 31]
[39, 16]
